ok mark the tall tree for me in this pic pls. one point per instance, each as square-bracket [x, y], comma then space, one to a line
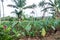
[20, 4]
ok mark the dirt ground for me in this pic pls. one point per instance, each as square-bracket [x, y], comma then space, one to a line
[55, 36]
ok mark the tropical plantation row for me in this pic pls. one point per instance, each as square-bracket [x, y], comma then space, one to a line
[15, 28]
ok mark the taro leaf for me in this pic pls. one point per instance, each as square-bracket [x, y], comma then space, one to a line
[8, 29]
[28, 27]
[43, 32]
[17, 34]
[32, 33]
[23, 33]
[1, 26]
[14, 31]
[14, 24]
[55, 23]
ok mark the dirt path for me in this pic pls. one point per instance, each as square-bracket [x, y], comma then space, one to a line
[55, 36]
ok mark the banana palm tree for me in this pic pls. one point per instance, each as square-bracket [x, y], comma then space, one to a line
[53, 6]
[20, 4]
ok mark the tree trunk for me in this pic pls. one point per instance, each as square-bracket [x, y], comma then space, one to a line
[0, 11]
[43, 15]
[43, 12]
[3, 7]
[0, 14]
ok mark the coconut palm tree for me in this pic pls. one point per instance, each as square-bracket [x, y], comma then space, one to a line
[53, 6]
[20, 4]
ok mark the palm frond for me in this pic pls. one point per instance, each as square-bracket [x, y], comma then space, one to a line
[15, 1]
[46, 8]
[15, 11]
[19, 3]
[30, 6]
[2, 0]
[42, 3]
[51, 1]
[12, 6]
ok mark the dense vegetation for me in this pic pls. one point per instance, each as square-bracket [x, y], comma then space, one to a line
[14, 28]
[33, 28]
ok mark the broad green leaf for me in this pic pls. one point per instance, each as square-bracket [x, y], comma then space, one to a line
[28, 27]
[8, 29]
[18, 34]
[14, 24]
[1, 26]
[53, 27]
[43, 32]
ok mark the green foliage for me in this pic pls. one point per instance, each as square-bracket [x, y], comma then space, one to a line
[43, 32]
[29, 28]
[4, 34]
[12, 29]
[8, 18]
[19, 3]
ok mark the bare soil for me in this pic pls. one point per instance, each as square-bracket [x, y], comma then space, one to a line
[55, 36]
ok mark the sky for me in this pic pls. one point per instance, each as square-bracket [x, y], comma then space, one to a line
[8, 10]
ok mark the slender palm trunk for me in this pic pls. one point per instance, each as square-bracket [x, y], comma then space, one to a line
[43, 15]
[18, 18]
[0, 14]
[0, 11]
[43, 12]
[3, 8]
